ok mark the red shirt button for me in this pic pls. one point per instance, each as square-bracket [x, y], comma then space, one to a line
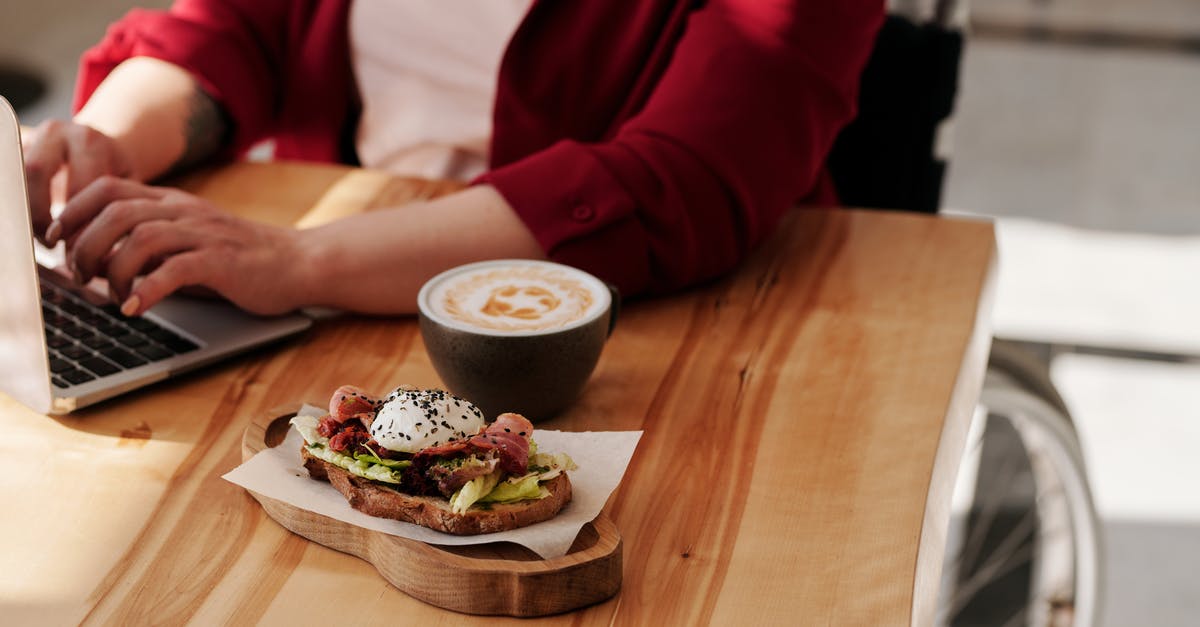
[583, 213]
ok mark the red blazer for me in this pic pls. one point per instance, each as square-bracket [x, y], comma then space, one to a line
[652, 143]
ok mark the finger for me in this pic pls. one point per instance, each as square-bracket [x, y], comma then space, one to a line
[177, 271]
[89, 156]
[45, 153]
[146, 245]
[112, 225]
[82, 208]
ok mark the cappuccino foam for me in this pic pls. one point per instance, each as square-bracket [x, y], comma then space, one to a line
[515, 297]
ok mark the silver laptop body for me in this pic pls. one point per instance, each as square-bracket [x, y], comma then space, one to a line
[177, 335]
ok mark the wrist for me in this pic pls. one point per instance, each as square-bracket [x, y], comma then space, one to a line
[314, 259]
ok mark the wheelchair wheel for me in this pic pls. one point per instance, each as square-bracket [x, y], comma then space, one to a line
[1024, 544]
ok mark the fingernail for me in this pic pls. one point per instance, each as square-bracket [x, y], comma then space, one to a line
[130, 306]
[53, 232]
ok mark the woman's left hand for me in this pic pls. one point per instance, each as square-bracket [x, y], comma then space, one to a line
[121, 229]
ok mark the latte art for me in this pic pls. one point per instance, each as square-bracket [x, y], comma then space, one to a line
[517, 297]
[529, 302]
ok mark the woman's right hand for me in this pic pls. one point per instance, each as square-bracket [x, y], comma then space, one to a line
[61, 158]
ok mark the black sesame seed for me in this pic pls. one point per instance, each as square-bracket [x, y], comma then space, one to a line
[522, 433]
[507, 430]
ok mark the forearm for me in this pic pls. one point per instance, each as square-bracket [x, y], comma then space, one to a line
[376, 262]
[157, 115]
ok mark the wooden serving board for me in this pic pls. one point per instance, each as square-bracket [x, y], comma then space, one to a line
[495, 578]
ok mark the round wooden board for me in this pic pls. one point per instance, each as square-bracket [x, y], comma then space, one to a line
[496, 578]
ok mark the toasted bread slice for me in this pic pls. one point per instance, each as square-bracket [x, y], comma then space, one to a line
[377, 499]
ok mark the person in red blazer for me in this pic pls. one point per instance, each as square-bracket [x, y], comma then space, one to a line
[652, 143]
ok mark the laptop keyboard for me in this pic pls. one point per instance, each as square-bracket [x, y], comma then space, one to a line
[87, 341]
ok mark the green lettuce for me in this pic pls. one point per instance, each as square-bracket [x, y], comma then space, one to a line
[510, 491]
[372, 458]
[550, 465]
[366, 465]
[490, 489]
[307, 426]
[475, 489]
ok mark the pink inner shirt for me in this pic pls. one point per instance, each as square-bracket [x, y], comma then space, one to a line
[426, 72]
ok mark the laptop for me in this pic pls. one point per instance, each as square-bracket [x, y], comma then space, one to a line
[63, 347]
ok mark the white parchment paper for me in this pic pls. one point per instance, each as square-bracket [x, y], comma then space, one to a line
[602, 457]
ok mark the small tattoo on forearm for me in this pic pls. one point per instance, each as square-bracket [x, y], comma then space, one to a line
[207, 130]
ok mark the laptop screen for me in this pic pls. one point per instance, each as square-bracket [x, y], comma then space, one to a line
[24, 369]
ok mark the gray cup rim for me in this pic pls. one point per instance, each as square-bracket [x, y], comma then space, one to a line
[600, 288]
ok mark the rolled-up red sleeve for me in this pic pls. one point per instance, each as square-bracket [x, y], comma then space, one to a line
[736, 130]
[280, 68]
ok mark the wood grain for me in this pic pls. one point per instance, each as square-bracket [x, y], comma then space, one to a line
[803, 422]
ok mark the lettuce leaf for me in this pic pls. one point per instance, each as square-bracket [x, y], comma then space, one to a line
[372, 458]
[490, 489]
[360, 467]
[322, 452]
[364, 465]
[307, 426]
[379, 472]
[475, 489]
[550, 465]
[510, 491]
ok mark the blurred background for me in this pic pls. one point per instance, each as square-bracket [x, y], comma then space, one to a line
[1077, 129]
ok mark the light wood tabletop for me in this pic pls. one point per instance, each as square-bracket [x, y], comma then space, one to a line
[803, 423]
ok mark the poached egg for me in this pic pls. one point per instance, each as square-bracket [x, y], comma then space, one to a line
[410, 420]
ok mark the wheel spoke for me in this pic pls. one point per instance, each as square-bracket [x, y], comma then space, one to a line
[977, 536]
[1053, 535]
[1012, 552]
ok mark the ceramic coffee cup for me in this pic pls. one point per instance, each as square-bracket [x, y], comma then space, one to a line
[516, 335]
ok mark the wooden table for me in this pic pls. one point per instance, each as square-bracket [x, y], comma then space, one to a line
[803, 421]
